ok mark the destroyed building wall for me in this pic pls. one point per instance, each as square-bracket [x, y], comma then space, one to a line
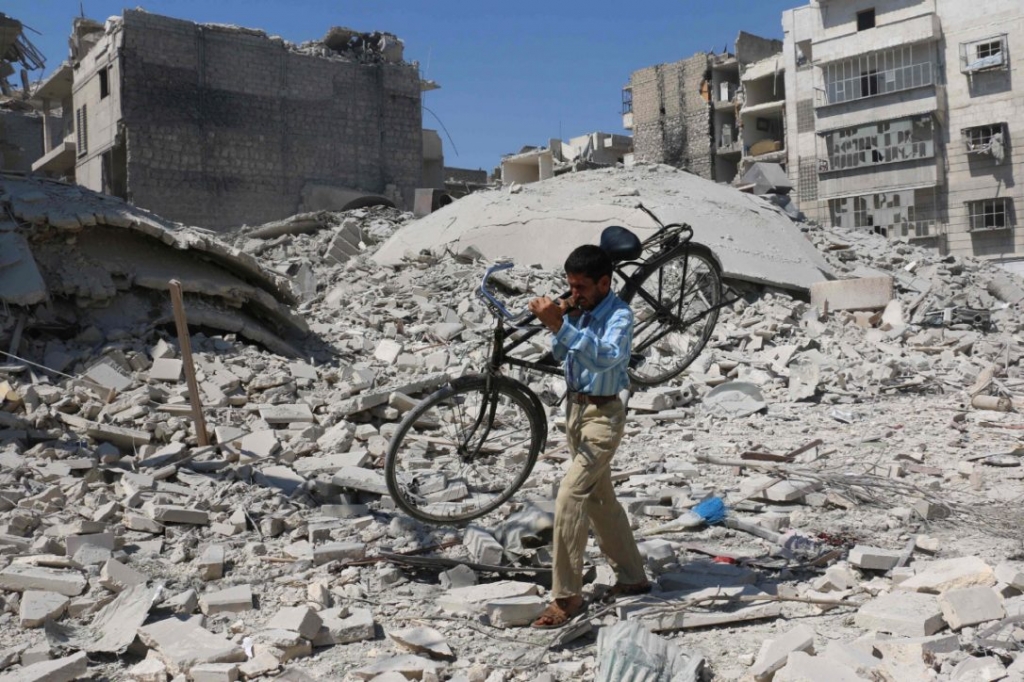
[223, 126]
[671, 122]
[21, 139]
[922, 149]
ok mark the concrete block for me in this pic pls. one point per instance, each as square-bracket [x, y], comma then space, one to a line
[18, 578]
[214, 672]
[1011, 573]
[171, 513]
[300, 619]
[37, 606]
[257, 445]
[874, 558]
[117, 577]
[852, 657]
[287, 414]
[916, 649]
[907, 614]
[183, 644]
[231, 600]
[64, 669]
[338, 551]
[482, 547]
[802, 667]
[970, 606]
[358, 478]
[388, 351]
[211, 563]
[259, 665]
[410, 666]
[344, 626]
[865, 293]
[775, 654]
[73, 543]
[423, 640]
[148, 670]
[472, 600]
[458, 576]
[978, 669]
[285, 645]
[165, 369]
[513, 612]
[948, 574]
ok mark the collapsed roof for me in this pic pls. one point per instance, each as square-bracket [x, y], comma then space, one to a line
[100, 262]
[540, 223]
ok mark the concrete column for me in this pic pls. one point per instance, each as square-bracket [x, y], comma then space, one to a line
[47, 133]
[547, 169]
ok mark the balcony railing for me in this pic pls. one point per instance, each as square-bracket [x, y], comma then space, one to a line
[877, 73]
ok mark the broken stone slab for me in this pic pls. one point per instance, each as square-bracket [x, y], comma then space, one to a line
[38, 606]
[802, 667]
[105, 374]
[285, 645]
[703, 574]
[978, 669]
[970, 606]
[510, 612]
[183, 644]
[67, 669]
[148, 670]
[916, 649]
[412, 667]
[287, 414]
[908, 614]
[263, 663]
[357, 478]
[864, 293]
[73, 543]
[117, 577]
[734, 400]
[775, 652]
[425, 641]
[338, 551]
[1011, 573]
[482, 547]
[231, 600]
[331, 463]
[19, 578]
[20, 280]
[300, 619]
[656, 620]
[874, 558]
[848, 655]
[458, 576]
[166, 369]
[472, 601]
[113, 628]
[171, 513]
[947, 574]
[344, 626]
[211, 563]
[126, 439]
[257, 445]
[280, 477]
[214, 672]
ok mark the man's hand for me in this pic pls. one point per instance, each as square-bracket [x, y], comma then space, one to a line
[550, 312]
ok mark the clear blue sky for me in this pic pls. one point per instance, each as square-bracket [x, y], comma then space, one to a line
[511, 73]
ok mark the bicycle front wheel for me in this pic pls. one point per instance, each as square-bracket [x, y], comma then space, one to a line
[465, 449]
[675, 308]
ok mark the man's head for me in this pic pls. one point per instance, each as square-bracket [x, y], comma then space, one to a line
[588, 270]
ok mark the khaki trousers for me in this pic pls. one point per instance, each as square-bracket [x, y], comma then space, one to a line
[586, 499]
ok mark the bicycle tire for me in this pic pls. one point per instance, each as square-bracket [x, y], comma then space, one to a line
[662, 349]
[417, 465]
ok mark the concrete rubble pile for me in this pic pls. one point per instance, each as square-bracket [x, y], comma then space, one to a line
[871, 532]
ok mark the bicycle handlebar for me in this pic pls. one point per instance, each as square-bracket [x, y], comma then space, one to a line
[488, 296]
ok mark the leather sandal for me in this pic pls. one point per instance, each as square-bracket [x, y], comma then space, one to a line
[627, 590]
[559, 612]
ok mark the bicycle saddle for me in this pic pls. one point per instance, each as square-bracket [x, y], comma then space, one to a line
[620, 244]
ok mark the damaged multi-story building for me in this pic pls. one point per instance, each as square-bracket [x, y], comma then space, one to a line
[904, 118]
[216, 125]
[21, 127]
[688, 113]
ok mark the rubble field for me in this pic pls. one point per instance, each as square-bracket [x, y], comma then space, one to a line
[864, 436]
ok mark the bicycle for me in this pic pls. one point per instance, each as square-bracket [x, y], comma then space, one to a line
[464, 450]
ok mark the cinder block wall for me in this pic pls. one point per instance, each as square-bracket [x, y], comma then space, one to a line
[671, 121]
[225, 126]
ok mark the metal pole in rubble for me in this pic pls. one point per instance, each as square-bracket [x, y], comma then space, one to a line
[185, 342]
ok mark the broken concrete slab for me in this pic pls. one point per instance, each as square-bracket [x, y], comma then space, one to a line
[166, 369]
[113, 628]
[38, 606]
[970, 606]
[510, 612]
[66, 669]
[473, 600]
[802, 667]
[908, 614]
[946, 574]
[759, 244]
[230, 600]
[344, 626]
[874, 558]
[300, 619]
[774, 653]
[182, 644]
[357, 478]
[20, 280]
[866, 293]
[423, 640]
[412, 667]
[18, 578]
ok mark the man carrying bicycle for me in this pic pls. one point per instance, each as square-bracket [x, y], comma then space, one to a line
[593, 331]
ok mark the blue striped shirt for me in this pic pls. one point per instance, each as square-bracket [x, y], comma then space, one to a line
[596, 347]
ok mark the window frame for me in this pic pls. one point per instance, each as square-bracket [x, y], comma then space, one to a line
[997, 210]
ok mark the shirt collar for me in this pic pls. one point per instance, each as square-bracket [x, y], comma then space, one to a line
[604, 308]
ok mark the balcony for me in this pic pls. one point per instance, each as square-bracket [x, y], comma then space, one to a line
[988, 54]
[921, 29]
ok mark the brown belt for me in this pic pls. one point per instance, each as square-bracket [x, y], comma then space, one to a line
[586, 399]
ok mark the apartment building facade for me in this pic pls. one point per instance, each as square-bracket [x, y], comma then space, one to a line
[690, 113]
[901, 118]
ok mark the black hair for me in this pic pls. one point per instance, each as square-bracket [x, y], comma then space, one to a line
[590, 260]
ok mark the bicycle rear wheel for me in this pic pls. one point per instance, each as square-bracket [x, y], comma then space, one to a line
[675, 308]
[465, 449]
